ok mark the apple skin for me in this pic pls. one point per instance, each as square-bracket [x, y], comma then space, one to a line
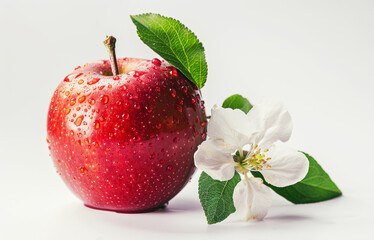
[125, 143]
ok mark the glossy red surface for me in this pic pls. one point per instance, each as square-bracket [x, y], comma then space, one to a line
[125, 143]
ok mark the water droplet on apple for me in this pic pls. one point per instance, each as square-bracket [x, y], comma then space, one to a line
[169, 168]
[80, 81]
[97, 124]
[158, 126]
[156, 61]
[175, 139]
[83, 170]
[179, 108]
[149, 108]
[104, 99]
[174, 72]
[79, 120]
[78, 75]
[138, 73]
[81, 99]
[73, 101]
[136, 106]
[172, 92]
[116, 77]
[91, 101]
[162, 161]
[93, 81]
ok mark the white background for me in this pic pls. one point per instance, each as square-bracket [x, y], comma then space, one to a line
[316, 56]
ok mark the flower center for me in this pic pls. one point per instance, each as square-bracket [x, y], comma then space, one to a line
[253, 160]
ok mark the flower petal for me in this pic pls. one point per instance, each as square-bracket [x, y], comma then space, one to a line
[229, 126]
[252, 199]
[216, 163]
[288, 166]
[271, 121]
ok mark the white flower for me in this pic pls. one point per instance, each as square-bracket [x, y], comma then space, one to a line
[245, 142]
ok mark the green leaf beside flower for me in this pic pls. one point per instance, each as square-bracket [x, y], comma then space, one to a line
[216, 197]
[237, 102]
[175, 43]
[317, 186]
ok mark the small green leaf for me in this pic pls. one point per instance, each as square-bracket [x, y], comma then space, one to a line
[175, 43]
[216, 197]
[237, 102]
[317, 186]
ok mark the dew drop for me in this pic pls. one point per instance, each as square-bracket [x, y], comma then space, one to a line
[78, 75]
[175, 140]
[172, 92]
[97, 124]
[138, 73]
[136, 106]
[93, 81]
[169, 168]
[116, 77]
[156, 61]
[149, 108]
[126, 116]
[79, 120]
[72, 132]
[174, 72]
[162, 161]
[80, 81]
[67, 111]
[104, 99]
[82, 170]
[67, 93]
[203, 123]
[179, 108]
[91, 101]
[81, 99]
[158, 126]
[73, 101]
[184, 89]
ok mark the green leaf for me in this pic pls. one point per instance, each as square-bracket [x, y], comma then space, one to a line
[216, 197]
[175, 43]
[237, 102]
[317, 186]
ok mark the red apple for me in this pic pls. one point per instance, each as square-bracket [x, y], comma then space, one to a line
[126, 142]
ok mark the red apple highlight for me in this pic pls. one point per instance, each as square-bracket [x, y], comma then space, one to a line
[126, 142]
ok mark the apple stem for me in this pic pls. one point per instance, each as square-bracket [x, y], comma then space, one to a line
[110, 44]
